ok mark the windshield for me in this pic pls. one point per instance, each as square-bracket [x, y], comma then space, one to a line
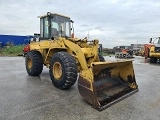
[60, 26]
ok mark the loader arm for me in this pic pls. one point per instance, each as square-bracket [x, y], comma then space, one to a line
[80, 53]
[102, 83]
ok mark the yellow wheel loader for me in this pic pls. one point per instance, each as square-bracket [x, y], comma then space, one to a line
[100, 83]
[154, 52]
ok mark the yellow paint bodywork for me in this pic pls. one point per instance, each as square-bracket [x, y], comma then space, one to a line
[105, 83]
[57, 70]
[79, 49]
[122, 68]
[94, 76]
[153, 53]
[86, 56]
[30, 63]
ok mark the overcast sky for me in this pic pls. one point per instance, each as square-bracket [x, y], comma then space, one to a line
[113, 22]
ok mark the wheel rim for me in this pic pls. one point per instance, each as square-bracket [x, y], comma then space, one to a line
[57, 70]
[29, 63]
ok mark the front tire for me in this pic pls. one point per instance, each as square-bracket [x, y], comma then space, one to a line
[34, 63]
[63, 70]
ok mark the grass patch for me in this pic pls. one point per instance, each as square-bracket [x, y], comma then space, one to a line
[107, 54]
[12, 50]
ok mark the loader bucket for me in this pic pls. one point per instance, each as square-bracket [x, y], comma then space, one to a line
[106, 83]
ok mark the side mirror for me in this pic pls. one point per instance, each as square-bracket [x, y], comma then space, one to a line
[150, 40]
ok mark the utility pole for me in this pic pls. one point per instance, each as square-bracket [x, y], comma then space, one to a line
[88, 35]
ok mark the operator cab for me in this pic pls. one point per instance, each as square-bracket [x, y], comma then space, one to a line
[54, 25]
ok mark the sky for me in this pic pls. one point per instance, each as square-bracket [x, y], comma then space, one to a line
[112, 22]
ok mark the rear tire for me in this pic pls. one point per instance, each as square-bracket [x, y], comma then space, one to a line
[101, 58]
[34, 63]
[120, 55]
[153, 60]
[116, 56]
[63, 70]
